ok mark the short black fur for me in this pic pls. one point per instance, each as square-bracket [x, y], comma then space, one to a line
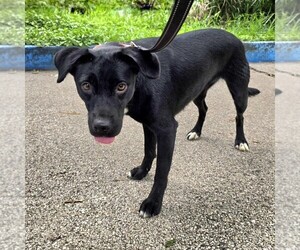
[158, 86]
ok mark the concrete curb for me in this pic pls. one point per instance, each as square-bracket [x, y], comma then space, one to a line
[260, 51]
[41, 58]
[287, 51]
[12, 57]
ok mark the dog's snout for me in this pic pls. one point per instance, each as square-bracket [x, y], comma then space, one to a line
[101, 125]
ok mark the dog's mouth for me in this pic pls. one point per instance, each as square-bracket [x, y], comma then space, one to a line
[104, 140]
[103, 130]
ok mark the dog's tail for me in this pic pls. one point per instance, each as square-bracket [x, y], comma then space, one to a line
[253, 91]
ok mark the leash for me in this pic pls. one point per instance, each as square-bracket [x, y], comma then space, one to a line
[178, 15]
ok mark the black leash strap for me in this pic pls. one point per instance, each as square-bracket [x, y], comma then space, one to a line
[179, 13]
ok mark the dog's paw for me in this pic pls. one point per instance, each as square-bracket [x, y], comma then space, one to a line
[150, 208]
[137, 173]
[191, 136]
[243, 146]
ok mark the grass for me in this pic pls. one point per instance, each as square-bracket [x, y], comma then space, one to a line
[118, 22]
[49, 22]
[246, 27]
[288, 27]
[12, 22]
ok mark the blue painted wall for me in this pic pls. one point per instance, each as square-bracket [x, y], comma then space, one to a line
[41, 58]
[287, 51]
[260, 51]
[12, 57]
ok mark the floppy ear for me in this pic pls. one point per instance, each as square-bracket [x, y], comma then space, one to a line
[66, 58]
[147, 62]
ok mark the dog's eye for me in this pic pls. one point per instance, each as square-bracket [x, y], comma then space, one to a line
[121, 88]
[86, 87]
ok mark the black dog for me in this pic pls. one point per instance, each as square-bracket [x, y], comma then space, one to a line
[113, 77]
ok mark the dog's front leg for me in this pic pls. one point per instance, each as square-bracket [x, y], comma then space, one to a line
[140, 172]
[165, 147]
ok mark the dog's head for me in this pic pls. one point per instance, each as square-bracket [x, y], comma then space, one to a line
[105, 78]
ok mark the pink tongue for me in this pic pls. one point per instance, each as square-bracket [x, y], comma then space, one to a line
[105, 140]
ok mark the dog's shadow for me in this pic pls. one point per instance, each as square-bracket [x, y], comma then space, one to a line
[277, 91]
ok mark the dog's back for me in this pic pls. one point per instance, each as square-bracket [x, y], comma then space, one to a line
[202, 48]
[194, 61]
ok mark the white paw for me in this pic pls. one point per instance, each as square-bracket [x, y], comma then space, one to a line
[192, 136]
[129, 174]
[242, 147]
[144, 214]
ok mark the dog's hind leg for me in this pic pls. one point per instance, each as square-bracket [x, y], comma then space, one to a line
[140, 172]
[202, 109]
[237, 81]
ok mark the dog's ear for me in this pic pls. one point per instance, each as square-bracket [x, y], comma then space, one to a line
[66, 58]
[146, 62]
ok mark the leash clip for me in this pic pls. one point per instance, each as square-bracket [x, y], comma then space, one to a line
[133, 45]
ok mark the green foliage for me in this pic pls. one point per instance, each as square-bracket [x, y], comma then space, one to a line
[120, 20]
[246, 27]
[287, 6]
[164, 4]
[230, 9]
[287, 20]
[59, 27]
[252, 26]
[12, 22]
[288, 27]
[88, 4]
[61, 3]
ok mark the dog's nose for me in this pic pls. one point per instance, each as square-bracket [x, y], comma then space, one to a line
[101, 125]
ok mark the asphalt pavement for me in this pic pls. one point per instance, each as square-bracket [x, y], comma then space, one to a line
[78, 195]
[287, 151]
[12, 160]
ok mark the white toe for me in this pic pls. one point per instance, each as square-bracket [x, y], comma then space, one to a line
[144, 214]
[129, 174]
[192, 136]
[242, 147]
